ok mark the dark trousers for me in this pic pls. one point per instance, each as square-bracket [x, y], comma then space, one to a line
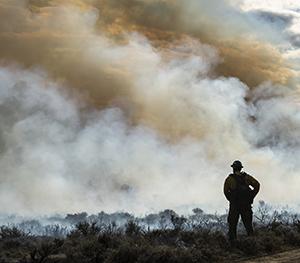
[233, 218]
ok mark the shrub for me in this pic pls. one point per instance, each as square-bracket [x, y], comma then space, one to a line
[86, 229]
[132, 228]
[11, 232]
[249, 246]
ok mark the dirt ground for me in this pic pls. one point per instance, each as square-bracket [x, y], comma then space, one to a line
[291, 256]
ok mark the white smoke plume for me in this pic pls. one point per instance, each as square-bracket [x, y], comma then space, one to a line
[162, 129]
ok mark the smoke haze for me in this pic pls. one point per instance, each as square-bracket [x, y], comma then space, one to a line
[133, 105]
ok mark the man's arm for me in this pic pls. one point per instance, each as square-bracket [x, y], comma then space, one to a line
[254, 183]
[227, 188]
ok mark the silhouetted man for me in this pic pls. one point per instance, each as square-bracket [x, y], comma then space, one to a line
[240, 189]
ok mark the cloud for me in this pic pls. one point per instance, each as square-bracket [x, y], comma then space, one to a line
[56, 34]
[56, 156]
[133, 105]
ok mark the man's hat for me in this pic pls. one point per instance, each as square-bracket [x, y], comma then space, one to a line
[237, 164]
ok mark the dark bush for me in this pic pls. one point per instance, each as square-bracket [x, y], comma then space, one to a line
[11, 232]
[271, 243]
[249, 246]
[126, 253]
[86, 229]
[132, 228]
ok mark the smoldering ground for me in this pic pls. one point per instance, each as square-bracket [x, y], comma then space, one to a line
[103, 110]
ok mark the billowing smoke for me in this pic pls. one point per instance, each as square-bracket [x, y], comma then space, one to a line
[132, 105]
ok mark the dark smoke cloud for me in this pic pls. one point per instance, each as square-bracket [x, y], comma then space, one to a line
[54, 35]
[280, 21]
[240, 39]
[71, 40]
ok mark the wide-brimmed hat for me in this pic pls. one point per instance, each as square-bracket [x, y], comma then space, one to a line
[237, 164]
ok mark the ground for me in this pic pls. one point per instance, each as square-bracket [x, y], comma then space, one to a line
[291, 256]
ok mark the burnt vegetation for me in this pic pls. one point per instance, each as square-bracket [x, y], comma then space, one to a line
[163, 237]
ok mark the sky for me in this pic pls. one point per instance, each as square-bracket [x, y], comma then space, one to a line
[278, 5]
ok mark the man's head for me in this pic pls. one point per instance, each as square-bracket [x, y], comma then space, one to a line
[237, 166]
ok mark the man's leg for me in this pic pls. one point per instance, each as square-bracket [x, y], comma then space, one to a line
[233, 218]
[247, 216]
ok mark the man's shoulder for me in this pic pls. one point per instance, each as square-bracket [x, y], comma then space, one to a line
[250, 178]
[246, 175]
[230, 177]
